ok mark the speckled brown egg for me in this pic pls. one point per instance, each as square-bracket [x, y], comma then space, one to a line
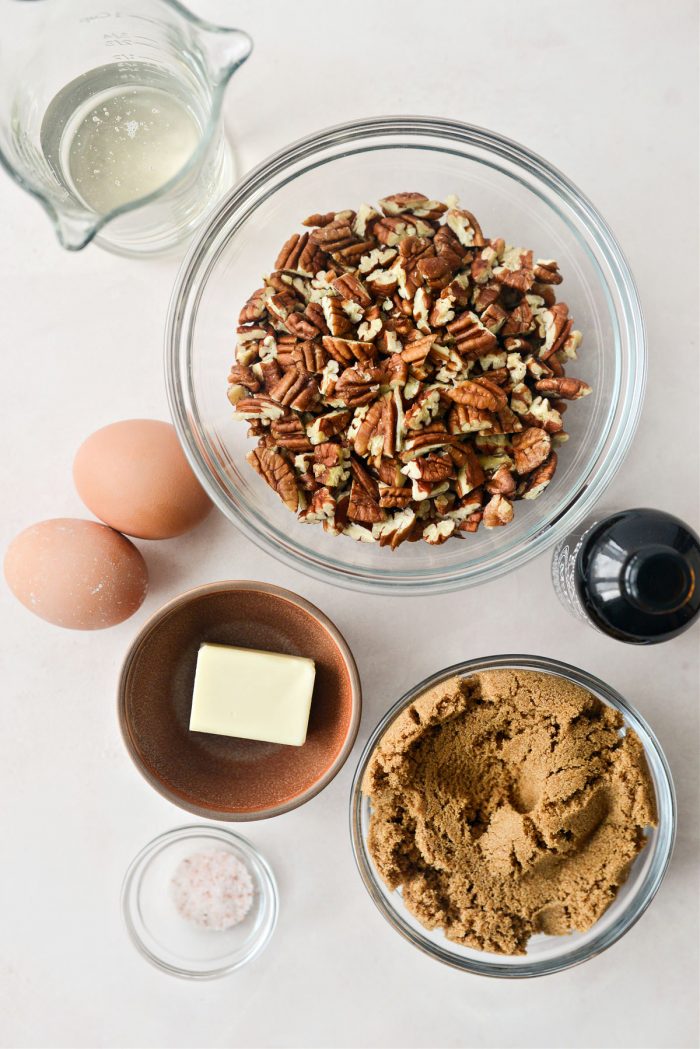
[76, 574]
[134, 476]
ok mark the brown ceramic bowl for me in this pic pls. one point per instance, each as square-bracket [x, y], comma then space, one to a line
[215, 776]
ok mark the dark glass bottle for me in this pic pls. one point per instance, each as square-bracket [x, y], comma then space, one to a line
[635, 575]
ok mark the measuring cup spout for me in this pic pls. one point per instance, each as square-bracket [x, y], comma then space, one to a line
[74, 230]
[225, 50]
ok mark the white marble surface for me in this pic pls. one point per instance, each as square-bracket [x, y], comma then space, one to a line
[608, 93]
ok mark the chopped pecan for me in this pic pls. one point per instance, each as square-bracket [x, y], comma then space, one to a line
[261, 408]
[417, 350]
[448, 248]
[547, 272]
[330, 466]
[531, 448]
[397, 366]
[396, 529]
[314, 314]
[430, 469]
[329, 425]
[539, 478]
[465, 228]
[337, 321]
[555, 326]
[325, 219]
[542, 414]
[423, 410]
[309, 356]
[464, 418]
[334, 235]
[485, 295]
[520, 320]
[412, 204]
[438, 532]
[350, 287]
[435, 271]
[301, 326]
[296, 389]
[356, 387]
[566, 388]
[494, 317]
[289, 433]
[482, 266]
[321, 507]
[497, 512]
[520, 280]
[270, 373]
[501, 483]
[429, 439]
[255, 308]
[278, 473]
[389, 473]
[363, 507]
[478, 393]
[471, 523]
[369, 428]
[391, 230]
[470, 474]
[470, 335]
[508, 420]
[245, 376]
[393, 497]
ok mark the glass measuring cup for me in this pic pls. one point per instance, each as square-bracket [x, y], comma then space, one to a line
[111, 117]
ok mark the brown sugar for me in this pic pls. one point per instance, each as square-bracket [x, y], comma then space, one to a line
[507, 804]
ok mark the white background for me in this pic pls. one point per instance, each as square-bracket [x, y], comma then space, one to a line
[608, 93]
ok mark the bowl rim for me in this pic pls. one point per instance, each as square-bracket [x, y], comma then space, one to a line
[636, 905]
[622, 420]
[263, 872]
[157, 618]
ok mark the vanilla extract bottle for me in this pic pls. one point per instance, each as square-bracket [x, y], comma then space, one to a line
[634, 575]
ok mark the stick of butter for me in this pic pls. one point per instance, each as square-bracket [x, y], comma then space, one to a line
[253, 695]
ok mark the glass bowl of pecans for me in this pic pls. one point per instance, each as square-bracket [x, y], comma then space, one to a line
[405, 382]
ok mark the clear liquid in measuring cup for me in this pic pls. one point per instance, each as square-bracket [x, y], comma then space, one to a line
[113, 142]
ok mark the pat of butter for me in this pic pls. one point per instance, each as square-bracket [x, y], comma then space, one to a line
[253, 695]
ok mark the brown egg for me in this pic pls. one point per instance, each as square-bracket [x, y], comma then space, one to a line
[76, 573]
[134, 476]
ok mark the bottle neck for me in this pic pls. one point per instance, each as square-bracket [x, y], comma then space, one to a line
[658, 580]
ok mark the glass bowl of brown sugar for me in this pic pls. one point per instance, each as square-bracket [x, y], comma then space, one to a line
[512, 816]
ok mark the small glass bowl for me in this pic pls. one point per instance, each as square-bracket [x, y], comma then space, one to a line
[173, 943]
[513, 193]
[545, 954]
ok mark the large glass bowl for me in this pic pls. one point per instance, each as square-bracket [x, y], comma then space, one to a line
[514, 194]
[545, 954]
